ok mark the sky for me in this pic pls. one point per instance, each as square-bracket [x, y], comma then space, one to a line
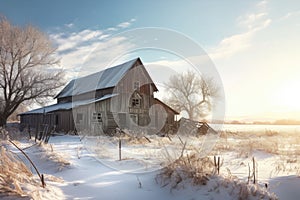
[253, 45]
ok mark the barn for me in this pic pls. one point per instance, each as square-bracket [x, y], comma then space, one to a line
[121, 96]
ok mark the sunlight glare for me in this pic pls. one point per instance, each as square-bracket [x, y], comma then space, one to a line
[288, 95]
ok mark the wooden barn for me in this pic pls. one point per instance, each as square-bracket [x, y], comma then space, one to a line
[120, 96]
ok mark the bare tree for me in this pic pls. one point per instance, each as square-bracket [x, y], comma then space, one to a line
[28, 69]
[192, 94]
[21, 109]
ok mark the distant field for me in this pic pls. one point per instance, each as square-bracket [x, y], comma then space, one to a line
[258, 128]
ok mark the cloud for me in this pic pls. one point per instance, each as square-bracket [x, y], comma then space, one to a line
[87, 54]
[262, 4]
[111, 29]
[290, 15]
[70, 25]
[73, 40]
[88, 50]
[254, 21]
[126, 24]
[251, 23]
[70, 41]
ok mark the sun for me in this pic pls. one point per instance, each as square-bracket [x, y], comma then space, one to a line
[288, 95]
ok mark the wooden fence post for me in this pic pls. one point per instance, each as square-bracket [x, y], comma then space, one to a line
[29, 132]
[254, 177]
[218, 165]
[120, 149]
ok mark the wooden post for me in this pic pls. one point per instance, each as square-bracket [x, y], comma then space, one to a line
[120, 149]
[249, 174]
[28, 129]
[36, 131]
[254, 178]
[218, 165]
[215, 161]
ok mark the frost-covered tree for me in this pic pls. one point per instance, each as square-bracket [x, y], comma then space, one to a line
[29, 70]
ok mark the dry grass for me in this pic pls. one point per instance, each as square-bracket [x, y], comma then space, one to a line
[192, 170]
[14, 174]
[270, 141]
[285, 146]
[242, 191]
[190, 167]
[16, 179]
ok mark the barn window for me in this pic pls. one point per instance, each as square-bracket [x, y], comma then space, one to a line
[97, 117]
[79, 117]
[136, 85]
[135, 102]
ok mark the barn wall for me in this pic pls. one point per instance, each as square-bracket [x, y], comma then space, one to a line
[33, 121]
[63, 120]
[126, 88]
[95, 118]
[60, 120]
[123, 103]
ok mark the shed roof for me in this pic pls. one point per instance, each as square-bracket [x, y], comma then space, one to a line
[166, 106]
[103, 79]
[66, 106]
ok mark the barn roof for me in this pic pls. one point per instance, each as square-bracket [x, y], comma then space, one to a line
[103, 79]
[66, 106]
[166, 106]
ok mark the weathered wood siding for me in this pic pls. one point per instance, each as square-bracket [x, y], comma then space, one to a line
[88, 117]
[61, 120]
[127, 90]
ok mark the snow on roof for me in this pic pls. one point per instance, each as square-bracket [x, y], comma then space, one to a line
[67, 106]
[104, 79]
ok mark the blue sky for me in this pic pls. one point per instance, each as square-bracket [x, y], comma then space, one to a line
[254, 45]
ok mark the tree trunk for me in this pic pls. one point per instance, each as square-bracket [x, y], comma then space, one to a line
[3, 119]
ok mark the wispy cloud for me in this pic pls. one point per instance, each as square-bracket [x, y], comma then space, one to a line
[112, 29]
[71, 41]
[254, 21]
[262, 4]
[251, 23]
[87, 50]
[126, 24]
[70, 25]
[290, 15]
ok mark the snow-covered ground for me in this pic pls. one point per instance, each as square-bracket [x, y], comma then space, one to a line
[76, 171]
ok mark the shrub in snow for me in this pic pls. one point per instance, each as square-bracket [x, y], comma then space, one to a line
[190, 167]
[200, 172]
